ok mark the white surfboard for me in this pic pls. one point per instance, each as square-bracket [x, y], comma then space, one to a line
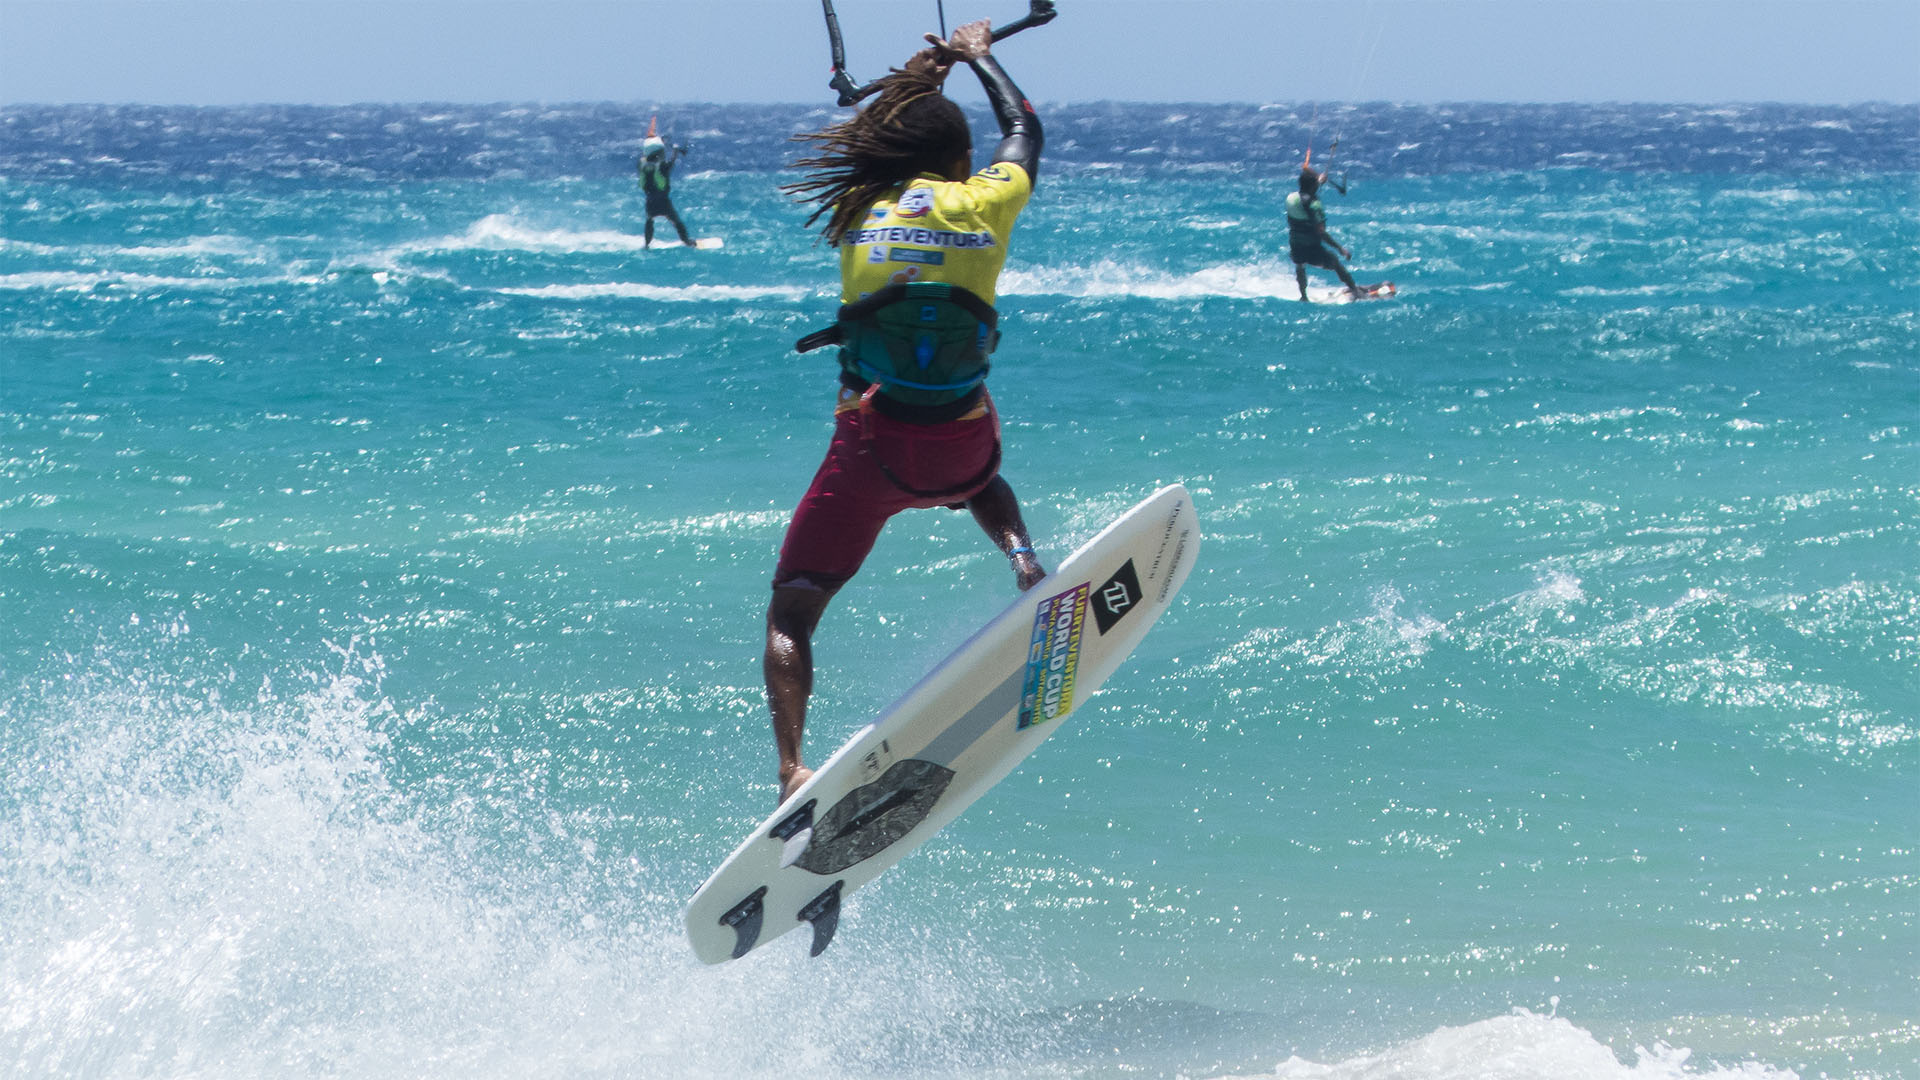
[954, 735]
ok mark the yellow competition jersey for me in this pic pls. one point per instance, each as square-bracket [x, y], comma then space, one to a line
[937, 230]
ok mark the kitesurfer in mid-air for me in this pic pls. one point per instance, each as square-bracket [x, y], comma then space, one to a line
[1308, 241]
[922, 240]
[656, 180]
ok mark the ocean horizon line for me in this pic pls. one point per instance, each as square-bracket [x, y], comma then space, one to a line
[1069, 103]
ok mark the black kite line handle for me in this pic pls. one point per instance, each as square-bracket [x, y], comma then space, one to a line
[1039, 13]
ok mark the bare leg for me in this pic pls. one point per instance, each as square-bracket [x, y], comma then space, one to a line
[791, 617]
[1346, 278]
[998, 513]
[1300, 275]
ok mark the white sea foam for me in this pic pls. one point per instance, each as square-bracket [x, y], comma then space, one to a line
[209, 880]
[190, 246]
[1603, 418]
[28, 247]
[642, 291]
[1556, 590]
[1522, 1046]
[86, 281]
[1698, 285]
[504, 232]
[1412, 632]
[1241, 281]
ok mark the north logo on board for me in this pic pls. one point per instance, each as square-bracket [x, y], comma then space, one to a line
[1117, 597]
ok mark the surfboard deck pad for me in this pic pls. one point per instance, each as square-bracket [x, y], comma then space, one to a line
[956, 733]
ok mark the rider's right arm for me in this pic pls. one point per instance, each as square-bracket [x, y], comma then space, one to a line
[1021, 137]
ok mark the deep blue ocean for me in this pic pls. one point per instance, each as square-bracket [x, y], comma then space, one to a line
[385, 540]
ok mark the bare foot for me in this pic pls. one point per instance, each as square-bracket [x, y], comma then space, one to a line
[1027, 571]
[792, 781]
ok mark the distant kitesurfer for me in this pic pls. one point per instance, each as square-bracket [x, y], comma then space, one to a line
[656, 179]
[922, 240]
[1308, 241]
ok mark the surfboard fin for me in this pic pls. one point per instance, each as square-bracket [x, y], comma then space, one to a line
[823, 912]
[745, 918]
[794, 831]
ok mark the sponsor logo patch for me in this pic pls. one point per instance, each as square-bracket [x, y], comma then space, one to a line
[901, 234]
[1053, 656]
[1117, 596]
[914, 203]
[915, 255]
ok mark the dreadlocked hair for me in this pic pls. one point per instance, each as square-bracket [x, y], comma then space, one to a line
[910, 128]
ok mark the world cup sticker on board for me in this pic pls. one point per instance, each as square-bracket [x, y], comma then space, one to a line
[1053, 655]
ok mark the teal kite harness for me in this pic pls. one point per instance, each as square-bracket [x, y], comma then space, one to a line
[919, 343]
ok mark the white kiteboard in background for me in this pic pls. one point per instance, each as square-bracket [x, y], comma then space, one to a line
[954, 735]
[1338, 294]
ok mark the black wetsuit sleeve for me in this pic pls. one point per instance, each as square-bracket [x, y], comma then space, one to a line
[1020, 135]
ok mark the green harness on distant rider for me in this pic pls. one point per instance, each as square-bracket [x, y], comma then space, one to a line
[918, 342]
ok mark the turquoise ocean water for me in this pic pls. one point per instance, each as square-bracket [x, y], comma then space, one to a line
[385, 536]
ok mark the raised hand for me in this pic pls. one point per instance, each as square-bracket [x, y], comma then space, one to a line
[970, 42]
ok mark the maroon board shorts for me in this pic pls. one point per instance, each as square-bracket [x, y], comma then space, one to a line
[840, 517]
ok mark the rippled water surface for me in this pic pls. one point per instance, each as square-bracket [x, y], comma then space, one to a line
[385, 536]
